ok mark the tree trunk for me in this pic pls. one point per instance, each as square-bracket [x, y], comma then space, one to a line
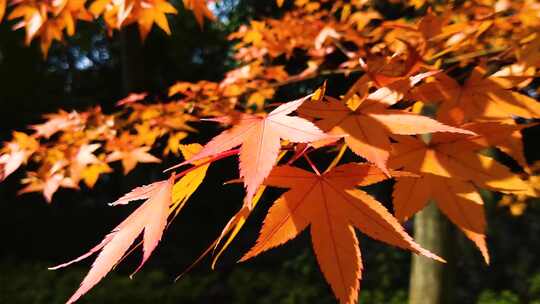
[132, 61]
[431, 281]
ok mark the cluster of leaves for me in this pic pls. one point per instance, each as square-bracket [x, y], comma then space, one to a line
[51, 20]
[76, 147]
[436, 96]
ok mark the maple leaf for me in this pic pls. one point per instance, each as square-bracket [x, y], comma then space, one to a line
[480, 98]
[47, 19]
[187, 185]
[393, 70]
[59, 122]
[10, 162]
[114, 13]
[85, 155]
[48, 33]
[2, 9]
[32, 21]
[458, 158]
[131, 98]
[450, 166]
[146, 135]
[529, 53]
[259, 137]
[331, 205]
[505, 136]
[173, 143]
[232, 228]
[132, 157]
[150, 218]
[83, 159]
[457, 199]
[16, 153]
[162, 199]
[394, 91]
[370, 125]
[47, 184]
[91, 173]
[515, 75]
[431, 25]
[154, 12]
[200, 10]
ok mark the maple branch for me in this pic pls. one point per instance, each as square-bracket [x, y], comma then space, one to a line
[342, 71]
[295, 79]
[467, 55]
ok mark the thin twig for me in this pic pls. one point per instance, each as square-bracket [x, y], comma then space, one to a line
[312, 164]
[337, 158]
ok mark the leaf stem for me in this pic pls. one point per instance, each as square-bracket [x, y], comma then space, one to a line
[312, 164]
[466, 55]
[337, 158]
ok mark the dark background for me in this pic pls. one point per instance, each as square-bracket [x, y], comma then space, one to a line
[92, 68]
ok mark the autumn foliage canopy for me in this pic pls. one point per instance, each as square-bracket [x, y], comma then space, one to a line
[429, 99]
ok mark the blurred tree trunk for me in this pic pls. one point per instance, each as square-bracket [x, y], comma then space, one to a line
[132, 60]
[133, 81]
[431, 281]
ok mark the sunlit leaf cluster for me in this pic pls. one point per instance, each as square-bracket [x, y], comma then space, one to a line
[50, 21]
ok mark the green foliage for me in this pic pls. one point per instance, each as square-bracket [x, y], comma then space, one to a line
[534, 288]
[503, 297]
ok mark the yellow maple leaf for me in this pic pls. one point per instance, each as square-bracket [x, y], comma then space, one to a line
[90, 174]
[186, 186]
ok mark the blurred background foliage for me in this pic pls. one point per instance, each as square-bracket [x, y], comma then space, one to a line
[92, 68]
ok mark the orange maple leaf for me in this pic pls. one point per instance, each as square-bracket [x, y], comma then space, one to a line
[46, 183]
[15, 153]
[331, 205]
[450, 165]
[480, 98]
[33, 19]
[10, 162]
[505, 136]
[150, 217]
[154, 12]
[457, 199]
[131, 98]
[260, 138]
[200, 10]
[58, 122]
[3, 4]
[370, 125]
[393, 69]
